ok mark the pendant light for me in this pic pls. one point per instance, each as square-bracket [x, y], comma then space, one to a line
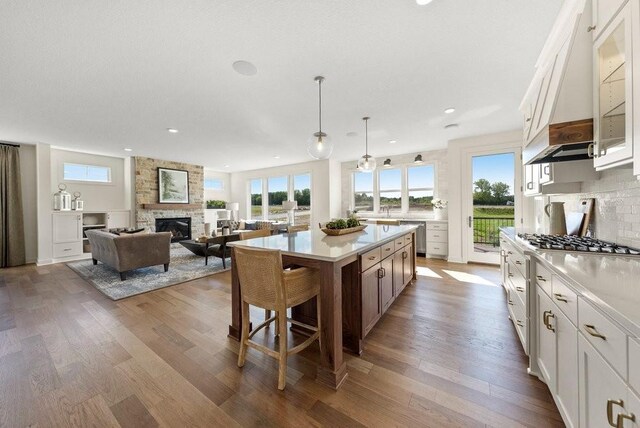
[366, 163]
[319, 146]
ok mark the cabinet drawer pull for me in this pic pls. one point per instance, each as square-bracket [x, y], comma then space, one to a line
[518, 262]
[510, 275]
[519, 323]
[509, 252]
[590, 28]
[547, 323]
[380, 273]
[559, 297]
[372, 257]
[520, 289]
[541, 278]
[387, 249]
[610, 404]
[593, 332]
[622, 417]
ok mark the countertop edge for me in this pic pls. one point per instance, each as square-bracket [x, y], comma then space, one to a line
[410, 228]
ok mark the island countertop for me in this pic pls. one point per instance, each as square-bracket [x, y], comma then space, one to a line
[314, 244]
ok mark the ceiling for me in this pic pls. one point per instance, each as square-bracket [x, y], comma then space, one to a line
[102, 76]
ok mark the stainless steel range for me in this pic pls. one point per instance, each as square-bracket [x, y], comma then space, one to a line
[575, 243]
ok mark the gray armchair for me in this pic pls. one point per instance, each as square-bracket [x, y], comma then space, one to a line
[128, 252]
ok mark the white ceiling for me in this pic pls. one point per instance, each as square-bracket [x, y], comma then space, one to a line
[105, 75]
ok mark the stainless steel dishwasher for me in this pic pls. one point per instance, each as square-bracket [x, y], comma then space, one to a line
[421, 235]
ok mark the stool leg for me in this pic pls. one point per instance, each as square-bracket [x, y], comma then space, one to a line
[244, 338]
[282, 358]
[319, 321]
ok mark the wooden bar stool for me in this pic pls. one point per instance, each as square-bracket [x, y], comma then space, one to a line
[265, 284]
[261, 233]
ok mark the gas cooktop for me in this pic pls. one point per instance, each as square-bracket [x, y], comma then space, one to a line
[576, 243]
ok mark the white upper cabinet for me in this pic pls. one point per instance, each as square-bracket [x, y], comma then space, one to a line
[613, 91]
[603, 11]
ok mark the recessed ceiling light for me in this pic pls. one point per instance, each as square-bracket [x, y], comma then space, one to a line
[449, 110]
[245, 68]
[128, 150]
[423, 2]
[226, 166]
[276, 157]
[172, 130]
[352, 134]
[393, 141]
[451, 125]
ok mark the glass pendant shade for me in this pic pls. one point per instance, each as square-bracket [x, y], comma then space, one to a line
[320, 146]
[367, 163]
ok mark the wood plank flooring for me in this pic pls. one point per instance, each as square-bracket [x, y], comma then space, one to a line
[444, 355]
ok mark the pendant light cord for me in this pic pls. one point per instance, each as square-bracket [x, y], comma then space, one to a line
[320, 106]
[366, 135]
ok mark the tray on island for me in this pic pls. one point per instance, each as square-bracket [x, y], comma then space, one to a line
[337, 232]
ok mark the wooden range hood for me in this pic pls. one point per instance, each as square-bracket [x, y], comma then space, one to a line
[562, 142]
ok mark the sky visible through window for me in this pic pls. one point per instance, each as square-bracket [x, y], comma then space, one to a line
[78, 172]
[495, 168]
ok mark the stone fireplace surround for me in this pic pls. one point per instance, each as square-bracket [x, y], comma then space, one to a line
[146, 188]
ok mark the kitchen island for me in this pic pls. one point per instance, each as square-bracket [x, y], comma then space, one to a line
[361, 274]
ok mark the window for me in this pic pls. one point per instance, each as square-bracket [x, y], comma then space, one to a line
[255, 187]
[92, 173]
[278, 193]
[363, 191]
[213, 184]
[390, 189]
[280, 189]
[302, 195]
[420, 184]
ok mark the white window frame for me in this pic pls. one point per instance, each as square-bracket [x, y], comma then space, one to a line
[265, 191]
[221, 189]
[374, 186]
[421, 189]
[404, 191]
[399, 190]
[73, 180]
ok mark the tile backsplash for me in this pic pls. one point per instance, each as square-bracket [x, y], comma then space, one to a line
[616, 215]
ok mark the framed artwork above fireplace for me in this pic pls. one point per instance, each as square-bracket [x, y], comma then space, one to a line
[173, 186]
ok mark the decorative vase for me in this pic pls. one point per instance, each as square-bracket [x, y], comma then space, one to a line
[440, 213]
[207, 229]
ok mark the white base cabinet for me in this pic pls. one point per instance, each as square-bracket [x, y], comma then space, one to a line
[604, 396]
[557, 354]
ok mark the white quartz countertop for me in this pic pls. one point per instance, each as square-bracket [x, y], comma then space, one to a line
[609, 282]
[314, 244]
[612, 283]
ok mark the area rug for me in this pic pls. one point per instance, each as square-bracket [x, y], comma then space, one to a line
[184, 266]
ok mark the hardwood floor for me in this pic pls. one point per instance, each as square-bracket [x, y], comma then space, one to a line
[445, 355]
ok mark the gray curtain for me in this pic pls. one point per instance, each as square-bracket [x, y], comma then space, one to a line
[11, 223]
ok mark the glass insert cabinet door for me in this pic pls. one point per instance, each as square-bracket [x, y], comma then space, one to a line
[613, 100]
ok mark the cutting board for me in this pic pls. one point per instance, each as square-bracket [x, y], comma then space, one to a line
[574, 222]
[585, 206]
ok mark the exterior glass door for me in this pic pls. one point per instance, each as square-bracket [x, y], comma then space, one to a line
[492, 203]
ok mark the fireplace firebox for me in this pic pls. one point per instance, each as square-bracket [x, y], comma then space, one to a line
[179, 227]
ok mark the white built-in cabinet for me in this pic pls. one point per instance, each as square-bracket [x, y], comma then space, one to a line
[613, 90]
[68, 230]
[603, 12]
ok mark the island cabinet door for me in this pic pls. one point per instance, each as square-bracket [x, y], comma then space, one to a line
[398, 272]
[371, 308]
[386, 283]
[407, 266]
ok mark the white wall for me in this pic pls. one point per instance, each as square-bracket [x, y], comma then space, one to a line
[222, 195]
[436, 157]
[29, 178]
[458, 174]
[324, 206]
[44, 195]
[96, 196]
